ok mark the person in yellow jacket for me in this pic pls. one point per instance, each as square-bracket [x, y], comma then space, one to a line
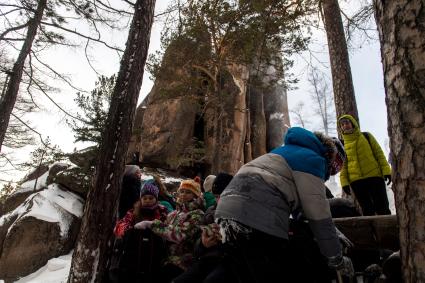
[366, 169]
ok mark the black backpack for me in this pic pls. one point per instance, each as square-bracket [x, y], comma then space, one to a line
[366, 135]
[137, 257]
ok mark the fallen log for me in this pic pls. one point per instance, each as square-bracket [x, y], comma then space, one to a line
[371, 232]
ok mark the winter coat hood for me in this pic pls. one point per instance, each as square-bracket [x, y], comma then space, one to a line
[304, 138]
[356, 132]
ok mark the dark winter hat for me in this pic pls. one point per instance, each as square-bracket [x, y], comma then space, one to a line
[149, 189]
[220, 183]
[339, 159]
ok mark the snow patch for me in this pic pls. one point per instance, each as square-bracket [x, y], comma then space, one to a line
[334, 186]
[172, 180]
[40, 182]
[56, 270]
[16, 212]
[65, 199]
[34, 185]
[45, 205]
[166, 180]
[95, 254]
[277, 116]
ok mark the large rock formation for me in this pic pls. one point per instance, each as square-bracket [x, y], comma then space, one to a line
[189, 123]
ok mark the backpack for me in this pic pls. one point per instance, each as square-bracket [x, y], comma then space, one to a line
[365, 134]
[137, 257]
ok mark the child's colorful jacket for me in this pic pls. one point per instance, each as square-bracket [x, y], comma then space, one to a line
[181, 229]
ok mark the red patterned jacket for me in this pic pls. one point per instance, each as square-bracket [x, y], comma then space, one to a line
[128, 221]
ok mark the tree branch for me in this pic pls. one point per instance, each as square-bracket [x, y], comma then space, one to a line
[31, 129]
[13, 29]
[83, 35]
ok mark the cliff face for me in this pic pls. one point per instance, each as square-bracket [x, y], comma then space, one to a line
[185, 123]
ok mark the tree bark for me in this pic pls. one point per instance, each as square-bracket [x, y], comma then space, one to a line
[401, 29]
[7, 101]
[90, 258]
[345, 100]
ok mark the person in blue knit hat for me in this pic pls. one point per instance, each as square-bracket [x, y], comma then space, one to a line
[138, 254]
[254, 210]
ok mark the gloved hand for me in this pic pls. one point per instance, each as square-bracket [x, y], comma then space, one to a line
[346, 243]
[142, 225]
[387, 179]
[346, 189]
[345, 268]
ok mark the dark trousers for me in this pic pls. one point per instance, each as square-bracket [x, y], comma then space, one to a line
[168, 273]
[260, 258]
[372, 195]
[203, 271]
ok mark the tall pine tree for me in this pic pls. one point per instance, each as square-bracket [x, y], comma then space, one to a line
[92, 251]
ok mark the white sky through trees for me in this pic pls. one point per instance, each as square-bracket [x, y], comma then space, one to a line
[365, 63]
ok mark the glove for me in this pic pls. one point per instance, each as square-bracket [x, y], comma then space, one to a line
[387, 179]
[345, 267]
[142, 225]
[346, 189]
[346, 243]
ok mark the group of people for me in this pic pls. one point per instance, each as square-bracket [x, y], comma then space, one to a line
[247, 227]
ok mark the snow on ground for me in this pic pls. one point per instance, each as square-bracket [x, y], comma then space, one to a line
[147, 176]
[391, 199]
[56, 270]
[172, 180]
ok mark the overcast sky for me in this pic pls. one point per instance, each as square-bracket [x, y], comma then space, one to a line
[365, 64]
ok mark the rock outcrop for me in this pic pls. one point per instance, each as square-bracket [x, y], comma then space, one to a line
[45, 225]
[208, 122]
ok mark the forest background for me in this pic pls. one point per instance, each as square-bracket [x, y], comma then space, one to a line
[366, 69]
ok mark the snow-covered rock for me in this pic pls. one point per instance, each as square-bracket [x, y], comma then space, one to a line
[65, 173]
[24, 190]
[45, 225]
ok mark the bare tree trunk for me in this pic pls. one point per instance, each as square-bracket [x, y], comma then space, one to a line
[91, 254]
[7, 101]
[345, 100]
[402, 35]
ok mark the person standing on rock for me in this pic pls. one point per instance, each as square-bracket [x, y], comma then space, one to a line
[254, 209]
[366, 169]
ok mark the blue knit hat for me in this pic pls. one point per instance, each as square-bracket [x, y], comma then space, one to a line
[149, 189]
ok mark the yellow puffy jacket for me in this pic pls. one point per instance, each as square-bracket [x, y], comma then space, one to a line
[364, 159]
